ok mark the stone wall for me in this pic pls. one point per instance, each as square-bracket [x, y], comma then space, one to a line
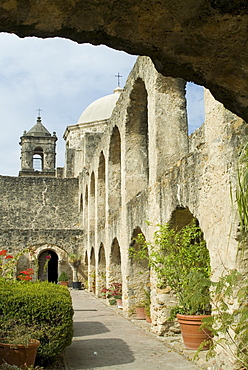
[148, 168]
[38, 203]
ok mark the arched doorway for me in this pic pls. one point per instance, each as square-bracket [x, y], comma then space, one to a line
[48, 267]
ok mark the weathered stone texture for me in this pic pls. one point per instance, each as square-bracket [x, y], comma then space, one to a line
[199, 40]
[38, 203]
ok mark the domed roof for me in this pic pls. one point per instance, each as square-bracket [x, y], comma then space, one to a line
[38, 129]
[101, 109]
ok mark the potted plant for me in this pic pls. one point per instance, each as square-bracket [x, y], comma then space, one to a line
[140, 310]
[115, 294]
[63, 278]
[181, 261]
[17, 344]
[75, 261]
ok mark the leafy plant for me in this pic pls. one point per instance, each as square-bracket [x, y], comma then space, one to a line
[42, 304]
[114, 291]
[75, 258]
[8, 265]
[75, 261]
[181, 261]
[6, 366]
[242, 190]
[16, 332]
[147, 302]
[63, 276]
[229, 320]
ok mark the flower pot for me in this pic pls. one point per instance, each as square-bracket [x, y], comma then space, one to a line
[148, 319]
[63, 283]
[119, 303]
[76, 285]
[140, 313]
[192, 335]
[19, 355]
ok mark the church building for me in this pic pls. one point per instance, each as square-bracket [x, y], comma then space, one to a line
[130, 165]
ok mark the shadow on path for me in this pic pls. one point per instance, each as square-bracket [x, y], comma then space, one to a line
[102, 352]
[82, 329]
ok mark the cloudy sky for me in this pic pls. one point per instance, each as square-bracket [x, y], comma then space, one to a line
[62, 78]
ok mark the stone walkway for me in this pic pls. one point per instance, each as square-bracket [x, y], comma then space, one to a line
[104, 339]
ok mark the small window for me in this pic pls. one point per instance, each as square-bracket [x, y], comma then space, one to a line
[38, 159]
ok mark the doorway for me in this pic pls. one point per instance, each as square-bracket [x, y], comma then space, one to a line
[48, 266]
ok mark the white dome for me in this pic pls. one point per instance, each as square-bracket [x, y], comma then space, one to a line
[101, 109]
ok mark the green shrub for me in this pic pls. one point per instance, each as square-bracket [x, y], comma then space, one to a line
[63, 276]
[45, 305]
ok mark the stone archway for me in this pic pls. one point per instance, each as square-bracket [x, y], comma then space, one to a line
[92, 271]
[114, 173]
[48, 266]
[136, 155]
[139, 272]
[114, 273]
[101, 273]
[59, 263]
[101, 192]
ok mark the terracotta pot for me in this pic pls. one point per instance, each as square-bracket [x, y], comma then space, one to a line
[119, 303]
[19, 354]
[140, 313]
[63, 283]
[192, 335]
[148, 319]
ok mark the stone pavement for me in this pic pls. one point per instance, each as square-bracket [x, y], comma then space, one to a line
[106, 340]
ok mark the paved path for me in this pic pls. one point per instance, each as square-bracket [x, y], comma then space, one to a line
[106, 340]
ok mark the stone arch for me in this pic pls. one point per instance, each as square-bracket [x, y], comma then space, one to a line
[115, 275]
[180, 218]
[101, 279]
[114, 174]
[101, 191]
[162, 297]
[84, 270]
[136, 138]
[92, 202]
[48, 266]
[60, 262]
[92, 271]
[139, 281]
[86, 208]
[38, 159]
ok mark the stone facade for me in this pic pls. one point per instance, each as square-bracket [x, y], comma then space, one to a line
[139, 166]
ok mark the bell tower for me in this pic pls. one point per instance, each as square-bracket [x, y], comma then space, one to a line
[38, 151]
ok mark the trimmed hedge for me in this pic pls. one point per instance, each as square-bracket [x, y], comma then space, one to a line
[45, 305]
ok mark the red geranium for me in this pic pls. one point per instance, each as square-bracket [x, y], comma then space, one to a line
[3, 252]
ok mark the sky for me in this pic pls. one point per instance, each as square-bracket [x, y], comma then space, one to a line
[61, 78]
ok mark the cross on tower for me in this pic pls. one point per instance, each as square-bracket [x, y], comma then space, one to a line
[118, 78]
[39, 110]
